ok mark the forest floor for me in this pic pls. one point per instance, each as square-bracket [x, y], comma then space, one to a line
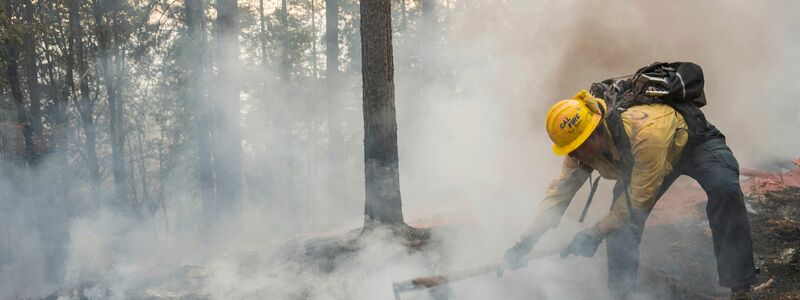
[683, 272]
[677, 252]
[677, 260]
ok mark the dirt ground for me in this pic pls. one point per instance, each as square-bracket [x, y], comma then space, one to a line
[677, 260]
[677, 254]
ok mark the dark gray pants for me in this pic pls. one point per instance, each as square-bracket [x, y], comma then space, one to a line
[714, 167]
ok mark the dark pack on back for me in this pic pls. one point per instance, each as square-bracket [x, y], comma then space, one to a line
[668, 83]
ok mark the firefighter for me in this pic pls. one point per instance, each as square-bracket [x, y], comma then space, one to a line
[657, 136]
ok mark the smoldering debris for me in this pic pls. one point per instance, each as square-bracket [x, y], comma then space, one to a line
[776, 238]
[677, 257]
[357, 264]
[677, 254]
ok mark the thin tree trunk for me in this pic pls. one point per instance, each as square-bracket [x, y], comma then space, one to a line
[143, 170]
[262, 34]
[228, 150]
[381, 162]
[428, 45]
[287, 121]
[112, 81]
[403, 15]
[311, 144]
[84, 102]
[336, 157]
[332, 38]
[314, 67]
[196, 24]
[268, 181]
[284, 48]
[31, 71]
[136, 204]
[162, 183]
[60, 115]
[426, 78]
[118, 131]
[63, 103]
[29, 181]
[12, 73]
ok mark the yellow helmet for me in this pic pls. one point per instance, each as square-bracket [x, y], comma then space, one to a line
[570, 122]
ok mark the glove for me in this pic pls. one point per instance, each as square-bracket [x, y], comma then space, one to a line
[514, 255]
[584, 243]
[596, 105]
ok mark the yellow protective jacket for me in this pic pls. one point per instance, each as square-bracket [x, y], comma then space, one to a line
[657, 135]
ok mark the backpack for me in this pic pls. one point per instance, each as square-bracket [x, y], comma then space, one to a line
[677, 84]
[668, 83]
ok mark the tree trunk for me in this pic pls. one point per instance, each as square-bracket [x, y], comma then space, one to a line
[267, 181]
[314, 66]
[263, 33]
[287, 120]
[284, 43]
[228, 150]
[403, 16]
[429, 43]
[67, 91]
[31, 71]
[111, 62]
[143, 172]
[381, 161]
[137, 205]
[60, 131]
[84, 102]
[336, 157]
[12, 73]
[196, 25]
[163, 173]
[116, 126]
[285, 40]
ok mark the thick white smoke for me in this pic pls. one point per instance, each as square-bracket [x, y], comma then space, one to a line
[473, 153]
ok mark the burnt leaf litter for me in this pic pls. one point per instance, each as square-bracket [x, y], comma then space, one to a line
[677, 257]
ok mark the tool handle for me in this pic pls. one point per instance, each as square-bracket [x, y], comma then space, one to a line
[435, 280]
[535, 254]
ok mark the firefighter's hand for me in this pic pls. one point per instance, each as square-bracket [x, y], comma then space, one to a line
[583, 244]
[514, 255]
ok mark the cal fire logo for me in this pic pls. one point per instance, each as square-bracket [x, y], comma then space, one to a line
[570, 121]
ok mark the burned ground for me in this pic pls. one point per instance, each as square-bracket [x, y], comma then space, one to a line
[677, 253]
[677, 260]
[776, 239]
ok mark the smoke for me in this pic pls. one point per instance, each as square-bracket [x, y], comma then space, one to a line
[473, 154]
[482, 138]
